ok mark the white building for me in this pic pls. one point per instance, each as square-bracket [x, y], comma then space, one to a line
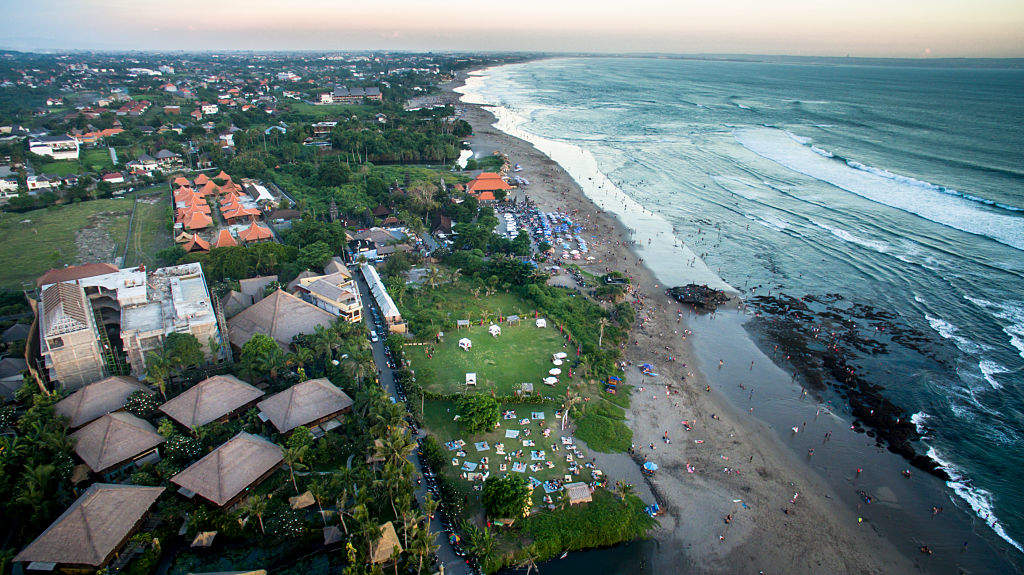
[209, 109]
[57, 147]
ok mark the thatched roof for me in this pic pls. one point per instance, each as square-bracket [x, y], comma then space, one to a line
[234, 302]
[383, 549]
[231, 468]
[113, 439]
[254, 286]
[280, 315]
[209, 400]
[204, 539]
[332, 534]
[94, 527]
[98, 399]
[302, 501]
[304, 403]
[578, 492]
[336, 266]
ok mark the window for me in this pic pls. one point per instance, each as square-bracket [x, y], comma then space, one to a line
[55, 343]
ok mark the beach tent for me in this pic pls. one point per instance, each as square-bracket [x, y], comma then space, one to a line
[555, 371]
[651, 466]
[541, 322]
[560, 355]
[550, 380]
[465, 343]
[556, 361]
[461, 323]
[512, 319]
[470, 379]
[494, 330]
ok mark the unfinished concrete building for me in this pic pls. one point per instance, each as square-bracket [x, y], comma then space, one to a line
[105, 324]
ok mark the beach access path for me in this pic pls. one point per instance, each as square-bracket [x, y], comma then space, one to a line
[817, 534]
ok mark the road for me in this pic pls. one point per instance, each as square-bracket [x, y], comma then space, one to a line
[452, 563]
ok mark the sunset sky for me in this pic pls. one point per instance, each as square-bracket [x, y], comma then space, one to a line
[936, 28]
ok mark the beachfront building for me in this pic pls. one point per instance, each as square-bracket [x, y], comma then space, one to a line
[354, 95]
[101, 321]
[94, 528]
[388, 309]
[484, 186]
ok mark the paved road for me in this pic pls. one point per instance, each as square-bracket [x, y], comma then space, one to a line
[452, 563]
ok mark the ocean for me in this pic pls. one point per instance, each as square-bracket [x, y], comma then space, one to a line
[897, 190]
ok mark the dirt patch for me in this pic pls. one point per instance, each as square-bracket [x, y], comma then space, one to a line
[93, 242]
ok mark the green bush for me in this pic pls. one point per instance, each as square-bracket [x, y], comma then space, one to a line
[604, 521]
[601, 426]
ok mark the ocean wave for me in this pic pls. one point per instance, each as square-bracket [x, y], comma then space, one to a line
[949, 331]
[877, 245]
[979, 499]
[989, 369]
[919, 420]
[1012, 312]
[907, 194]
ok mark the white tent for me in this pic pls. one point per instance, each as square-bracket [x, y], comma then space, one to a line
[495, 330]
[557, 362]
[555, 371]
[465, 343]
[470, 379]
[550, 380]
[541, 322]
[560, 355]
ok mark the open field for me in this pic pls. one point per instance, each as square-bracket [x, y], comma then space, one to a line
[328, 110]
[33, 242]
[151, 229]
[89, 160]
[433, 309]
[520, 354]
[438, 418]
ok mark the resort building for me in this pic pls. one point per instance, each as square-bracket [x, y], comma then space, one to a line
[388, 309]
[280, 315]
[334, 292]
[345, 95]
[485, 185]
[224, 475]
[115, 440]
[215, 398]
[98, 399]
[90, 533]
[314, 403]
[104, 324]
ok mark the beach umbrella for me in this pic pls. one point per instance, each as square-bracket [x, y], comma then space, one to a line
[555, 371]
[550, 380]
[651, 466]
[557, 362]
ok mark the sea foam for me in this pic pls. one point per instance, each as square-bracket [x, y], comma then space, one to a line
[907, 194]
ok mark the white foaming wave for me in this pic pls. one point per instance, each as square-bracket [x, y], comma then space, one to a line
[927, 185]
[919, 419]
[954, 211]
[949, 331]
[979, 499]
[822, 152]
[877, 245]
[802, 140]
[1012, 312]
[990, 368]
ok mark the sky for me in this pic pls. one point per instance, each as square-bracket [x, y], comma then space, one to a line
[868, 28]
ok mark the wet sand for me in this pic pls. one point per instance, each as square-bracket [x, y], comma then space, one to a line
[819, 534]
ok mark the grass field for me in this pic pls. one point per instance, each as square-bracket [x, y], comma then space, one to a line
[433, 309]
[151, 229]
[329, 110]
[438, 419]
[520, 354]
[89, 160]
[33, 242]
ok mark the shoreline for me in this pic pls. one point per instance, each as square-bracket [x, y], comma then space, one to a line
[814, 535]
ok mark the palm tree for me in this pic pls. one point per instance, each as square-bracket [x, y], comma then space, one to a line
[481, 543]
[256, 505]
[158, 367]
[600, 337]
[434, 276]
[623, 489]
[572, 397]
[423, 543]
[36, 492]
[320, 490]
[293, 457]
[302, 357]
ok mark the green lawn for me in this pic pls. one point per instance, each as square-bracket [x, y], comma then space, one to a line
[151, 231]
[432, 309]
[438, 419]
[89, 160]
[329, 110]
[33, 242]
[520, 354]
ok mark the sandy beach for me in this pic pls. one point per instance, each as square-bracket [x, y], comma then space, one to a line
[721, 464]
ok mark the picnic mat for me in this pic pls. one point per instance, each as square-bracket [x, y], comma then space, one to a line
[482, 446]
[511, 433]
[537, 415]
[519, 467]
[537, 456]
[469, 466]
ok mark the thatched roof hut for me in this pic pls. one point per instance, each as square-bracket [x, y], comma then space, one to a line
[94, 528]
[115, 439]
[280, 315]
[97, 399]
[384, 548]
[226, 472]
[307, 403]
[211, 399]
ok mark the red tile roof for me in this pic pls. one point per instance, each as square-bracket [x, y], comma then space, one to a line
[255, 233]
[225, 239]
[197, 244]
[72, 273]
